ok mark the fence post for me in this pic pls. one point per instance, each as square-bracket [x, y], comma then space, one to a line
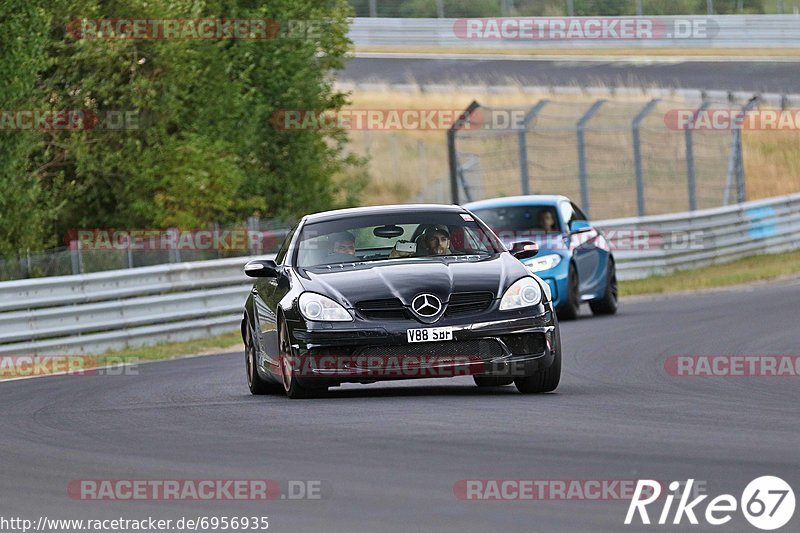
[710, 6]
[571, 8]
[637, 154]
[580, 130]
[373, 8]
[452, 155]
[253, 225]
[735, 161]
[522, 136]
[639, 9]
[690, 170]
[75, 256]
[129, 251]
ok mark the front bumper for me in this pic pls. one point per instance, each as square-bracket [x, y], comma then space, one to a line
[363, 351]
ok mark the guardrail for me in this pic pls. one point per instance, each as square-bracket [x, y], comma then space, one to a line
[718, 31]
[700, 238]
[92, 313]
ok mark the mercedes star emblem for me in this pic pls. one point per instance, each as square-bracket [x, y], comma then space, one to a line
[426, 305]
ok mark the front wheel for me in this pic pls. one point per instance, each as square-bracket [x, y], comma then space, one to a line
[291, 386]
[608, 304]
[571, 307]
[255, 382]
[545, 380]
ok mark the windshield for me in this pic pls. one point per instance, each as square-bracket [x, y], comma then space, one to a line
[517, 223]
[383, 237]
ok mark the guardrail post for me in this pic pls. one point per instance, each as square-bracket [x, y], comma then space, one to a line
[735, 162]
[452, 155]
[523, 146]
[637, 153]
[581, 129]
[691, 180]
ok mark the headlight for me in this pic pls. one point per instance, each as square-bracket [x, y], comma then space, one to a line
[546, 262]
[523, 293]
[315, 306]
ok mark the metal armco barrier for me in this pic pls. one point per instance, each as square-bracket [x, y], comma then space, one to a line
[720, 31]
[699, 238]
[93, 313]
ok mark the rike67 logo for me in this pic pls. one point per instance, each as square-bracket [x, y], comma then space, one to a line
[767, 503]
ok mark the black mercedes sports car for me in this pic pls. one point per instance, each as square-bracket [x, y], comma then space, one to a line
[397, 292]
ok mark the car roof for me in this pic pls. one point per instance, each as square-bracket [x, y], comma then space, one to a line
[382, 209]
[515, 201]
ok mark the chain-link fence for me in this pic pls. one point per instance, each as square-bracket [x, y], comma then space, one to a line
[100, 250]
[616, 158]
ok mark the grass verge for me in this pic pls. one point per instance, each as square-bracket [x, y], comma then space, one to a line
[13, 366]
[749, 269]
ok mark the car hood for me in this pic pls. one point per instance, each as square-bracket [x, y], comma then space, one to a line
[405, 279]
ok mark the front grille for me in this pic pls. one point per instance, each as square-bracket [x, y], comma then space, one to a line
[477, 348]
[525, 343]
[468, 302]
[386, 309]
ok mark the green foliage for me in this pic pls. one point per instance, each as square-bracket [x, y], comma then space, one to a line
[202, 147]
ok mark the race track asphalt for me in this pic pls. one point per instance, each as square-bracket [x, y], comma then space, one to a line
[755, 76]
[388, 455]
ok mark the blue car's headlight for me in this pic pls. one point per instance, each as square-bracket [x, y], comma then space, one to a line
[523, 293]
[545, 262]
[317, 307]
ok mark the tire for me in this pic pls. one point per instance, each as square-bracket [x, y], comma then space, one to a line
[571, 307]
[255, 382]
[291, 387]
[490, 381]
[546, 380]
[608, 304]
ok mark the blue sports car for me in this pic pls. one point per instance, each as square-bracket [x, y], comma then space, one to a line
[575, 258]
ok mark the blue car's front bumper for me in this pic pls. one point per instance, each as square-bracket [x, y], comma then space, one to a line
[556, 278]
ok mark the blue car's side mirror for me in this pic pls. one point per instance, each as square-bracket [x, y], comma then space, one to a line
[579, 226]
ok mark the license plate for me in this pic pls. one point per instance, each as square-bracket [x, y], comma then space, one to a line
[430, 334]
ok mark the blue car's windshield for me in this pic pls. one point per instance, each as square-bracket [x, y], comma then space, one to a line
[519, 221]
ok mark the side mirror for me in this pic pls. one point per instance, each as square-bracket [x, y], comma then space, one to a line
[524, 249]
[579, 226]
[261, 268]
